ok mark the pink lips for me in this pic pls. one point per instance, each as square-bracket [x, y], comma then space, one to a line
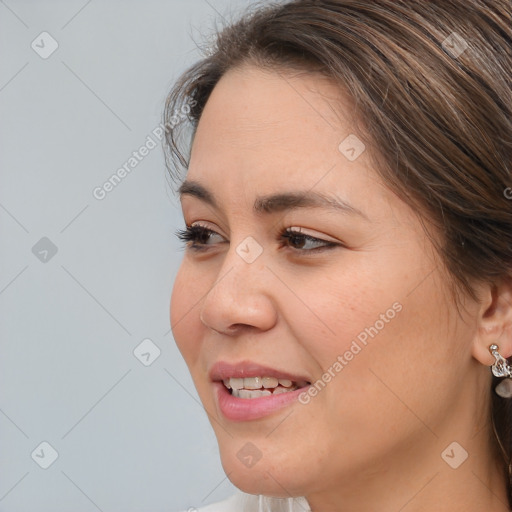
[246, 409]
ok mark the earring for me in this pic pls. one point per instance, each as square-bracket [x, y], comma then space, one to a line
[501, 368]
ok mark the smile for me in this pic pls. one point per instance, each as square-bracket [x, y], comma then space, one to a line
[257, 387]
[246, 390]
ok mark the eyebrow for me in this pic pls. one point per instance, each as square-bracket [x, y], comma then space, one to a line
[278, 202]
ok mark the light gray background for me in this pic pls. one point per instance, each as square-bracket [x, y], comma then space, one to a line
[129, 437]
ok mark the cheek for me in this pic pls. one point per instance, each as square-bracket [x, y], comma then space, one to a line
[334, 312]
[184, 313]
[363, 330]
[403, 366]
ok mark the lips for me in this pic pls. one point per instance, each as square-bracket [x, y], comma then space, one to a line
[247, 391]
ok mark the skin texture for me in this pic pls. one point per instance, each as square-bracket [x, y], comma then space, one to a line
[372, 439]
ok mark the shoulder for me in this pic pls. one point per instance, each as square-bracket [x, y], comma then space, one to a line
[242, 502]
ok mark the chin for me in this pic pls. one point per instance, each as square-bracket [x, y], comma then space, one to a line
[269, 476]
[259, 482]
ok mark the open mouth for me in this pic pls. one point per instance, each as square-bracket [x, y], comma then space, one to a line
[257, 387]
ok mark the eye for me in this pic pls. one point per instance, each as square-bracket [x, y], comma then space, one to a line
[305, 242]
[197, 237]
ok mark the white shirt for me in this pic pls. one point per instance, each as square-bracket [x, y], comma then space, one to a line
[242, 502]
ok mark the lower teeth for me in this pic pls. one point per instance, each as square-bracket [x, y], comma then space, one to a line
[257, 393]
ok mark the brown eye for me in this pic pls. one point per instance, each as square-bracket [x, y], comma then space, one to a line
[199, 238]
[196, 237]
[305, 243]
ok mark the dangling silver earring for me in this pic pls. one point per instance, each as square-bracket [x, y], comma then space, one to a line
[501, 368]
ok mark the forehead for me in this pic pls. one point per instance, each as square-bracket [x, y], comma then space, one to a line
[250, 105]
[287, 126]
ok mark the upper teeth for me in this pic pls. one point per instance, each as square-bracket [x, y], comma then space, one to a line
[256, 383]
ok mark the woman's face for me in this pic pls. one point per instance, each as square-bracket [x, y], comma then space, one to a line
[360, 311]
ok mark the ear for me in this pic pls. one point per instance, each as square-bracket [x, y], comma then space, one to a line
[494, 321]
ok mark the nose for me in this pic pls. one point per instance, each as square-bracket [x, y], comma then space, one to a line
[240, 297]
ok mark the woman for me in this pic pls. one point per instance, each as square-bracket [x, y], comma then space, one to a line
[347, 279]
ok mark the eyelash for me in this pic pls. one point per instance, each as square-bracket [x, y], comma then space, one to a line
[191, 234]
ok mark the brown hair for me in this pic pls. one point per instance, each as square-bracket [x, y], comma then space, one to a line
[432, 85]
